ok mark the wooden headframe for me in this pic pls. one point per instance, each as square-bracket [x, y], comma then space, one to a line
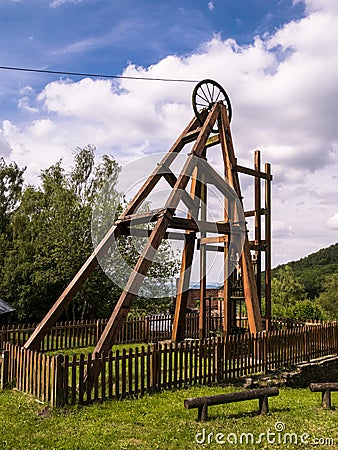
[165, 219]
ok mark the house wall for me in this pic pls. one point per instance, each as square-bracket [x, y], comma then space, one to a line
[194, 296]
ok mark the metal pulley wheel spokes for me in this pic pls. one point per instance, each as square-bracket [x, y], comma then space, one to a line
[205, 95]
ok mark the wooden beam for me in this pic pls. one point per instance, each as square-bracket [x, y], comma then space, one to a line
[252, 172]
[252, 212]
[258, 231]
[203, 264]
[210, 248]
[268, 250]
[212, 240]
[140, 218]
[181, 223]
[253, 245]
[141, 232]
[213, 140]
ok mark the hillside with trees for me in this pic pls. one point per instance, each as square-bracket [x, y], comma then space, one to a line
[307, 288]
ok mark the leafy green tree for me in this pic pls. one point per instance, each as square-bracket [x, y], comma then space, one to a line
[286, 290]
[328, 299]
[52, 239]
[51, 231]
[305, 310]
[11, 183]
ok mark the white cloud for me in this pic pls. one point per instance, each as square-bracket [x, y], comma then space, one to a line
[56, 3]
[281, 229]
[320, 5]
[332, 222]
[23, 104]
[284, 92]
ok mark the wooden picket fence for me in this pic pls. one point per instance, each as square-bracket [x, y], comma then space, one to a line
[81, 334]
[60, 379]
[149, 329]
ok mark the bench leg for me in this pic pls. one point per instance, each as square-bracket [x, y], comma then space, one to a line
[263, 405]
[203, 413]
[326, 399]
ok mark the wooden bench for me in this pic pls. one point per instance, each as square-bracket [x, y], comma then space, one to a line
[325, 389]
[202, 403]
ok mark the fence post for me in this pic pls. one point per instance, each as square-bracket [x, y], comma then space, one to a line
[98, 330]
[2, 336]
[57, 377]
[220, 358]
[154, 366]
[146, 330]
[4, 369]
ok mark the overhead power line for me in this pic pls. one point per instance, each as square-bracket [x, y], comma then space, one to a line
[95, 75]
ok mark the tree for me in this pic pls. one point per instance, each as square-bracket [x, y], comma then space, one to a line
[52, 239]
[286, 290]
[305, 310]
[11, 183]
[328, 299]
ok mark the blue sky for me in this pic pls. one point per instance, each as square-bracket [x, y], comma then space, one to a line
[103, 36]
[278, 61]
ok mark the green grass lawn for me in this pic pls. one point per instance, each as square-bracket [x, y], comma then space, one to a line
[161, 422]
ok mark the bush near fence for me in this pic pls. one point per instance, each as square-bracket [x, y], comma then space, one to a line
[60, 379]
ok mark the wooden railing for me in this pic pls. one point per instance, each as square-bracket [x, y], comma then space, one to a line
[133, 372]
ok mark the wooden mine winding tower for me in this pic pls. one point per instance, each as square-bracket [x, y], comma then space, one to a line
[210, 127]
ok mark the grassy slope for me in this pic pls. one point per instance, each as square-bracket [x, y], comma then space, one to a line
[158, 422]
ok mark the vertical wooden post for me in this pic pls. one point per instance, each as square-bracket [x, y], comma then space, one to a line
[98, 330]
[203, 264]
[227, 307]
[178, 331]
[258, 234]
[326, 399]
[57, 377]
[263, 405]
[146, 329]
[267, 249]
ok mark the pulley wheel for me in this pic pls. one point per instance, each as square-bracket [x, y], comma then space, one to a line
[205, 94]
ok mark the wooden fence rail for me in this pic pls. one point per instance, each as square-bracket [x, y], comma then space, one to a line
[133, 372]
